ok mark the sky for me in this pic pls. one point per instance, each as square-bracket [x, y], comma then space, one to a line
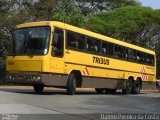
[155, 4]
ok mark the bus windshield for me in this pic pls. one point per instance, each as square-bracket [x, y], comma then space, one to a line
[31, 41]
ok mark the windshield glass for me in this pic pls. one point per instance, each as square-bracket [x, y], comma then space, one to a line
[31, 41]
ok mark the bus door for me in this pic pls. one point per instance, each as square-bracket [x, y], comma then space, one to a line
[57, 59]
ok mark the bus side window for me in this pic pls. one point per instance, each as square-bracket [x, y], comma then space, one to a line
[150, 59]
[110, 50]
[141, 57]
[58, 43]
[104, 48]
[126, 54]
[81, 39]
[107, 48]
[93, 45]
[72, 40]
[131, 55]
[117, 51]
[122, 52]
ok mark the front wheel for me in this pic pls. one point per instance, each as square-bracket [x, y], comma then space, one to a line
[38, 88]
[71, 84]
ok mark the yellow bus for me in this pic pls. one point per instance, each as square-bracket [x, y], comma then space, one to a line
[55, 54]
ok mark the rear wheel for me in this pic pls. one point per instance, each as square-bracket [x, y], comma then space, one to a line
[128, 87]
[99, 90]
[38, 88]
[71, 84]
[136, 87]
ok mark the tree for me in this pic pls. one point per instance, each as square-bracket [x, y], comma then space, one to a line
[89, 7]
[136, 25]
[68, 12]
[12, 12]
[42, 9]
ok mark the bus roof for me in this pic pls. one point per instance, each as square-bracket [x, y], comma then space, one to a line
[84, 32]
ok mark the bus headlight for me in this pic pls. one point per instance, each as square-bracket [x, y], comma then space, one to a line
[35, 78]
[10, 77]
[38, 78]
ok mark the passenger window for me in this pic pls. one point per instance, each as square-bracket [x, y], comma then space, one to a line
[81, 39]
[150, 59]
[119, 52]
[93, 45]
[126, 54]
[107, 48]
[110, 49]
[71, 40]
[75, 40]
[131, 55]
[104, 48]
[141, 57]
[58, 43]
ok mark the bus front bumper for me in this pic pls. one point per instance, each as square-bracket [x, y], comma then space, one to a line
[24, 78]
[37, 78]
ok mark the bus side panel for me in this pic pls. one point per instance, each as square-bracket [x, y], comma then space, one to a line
[102, 83]
[56, 80]
[113, 75]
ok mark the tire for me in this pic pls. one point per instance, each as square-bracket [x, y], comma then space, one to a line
[38, 88]
[128, 87]
[136, 87]
[110, 91]
[71, 84]
[99, 90]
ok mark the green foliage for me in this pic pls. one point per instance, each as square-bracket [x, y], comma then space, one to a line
[136, 25]
[42, 10]
[89, 7]
[68, 12]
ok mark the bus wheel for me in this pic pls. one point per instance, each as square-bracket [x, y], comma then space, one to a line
[136, 87]
[128, 87]
[99, 90]
[38, 88]
[110, 91]
[71, 84]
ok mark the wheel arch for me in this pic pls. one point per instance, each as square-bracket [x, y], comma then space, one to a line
[131, 78]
